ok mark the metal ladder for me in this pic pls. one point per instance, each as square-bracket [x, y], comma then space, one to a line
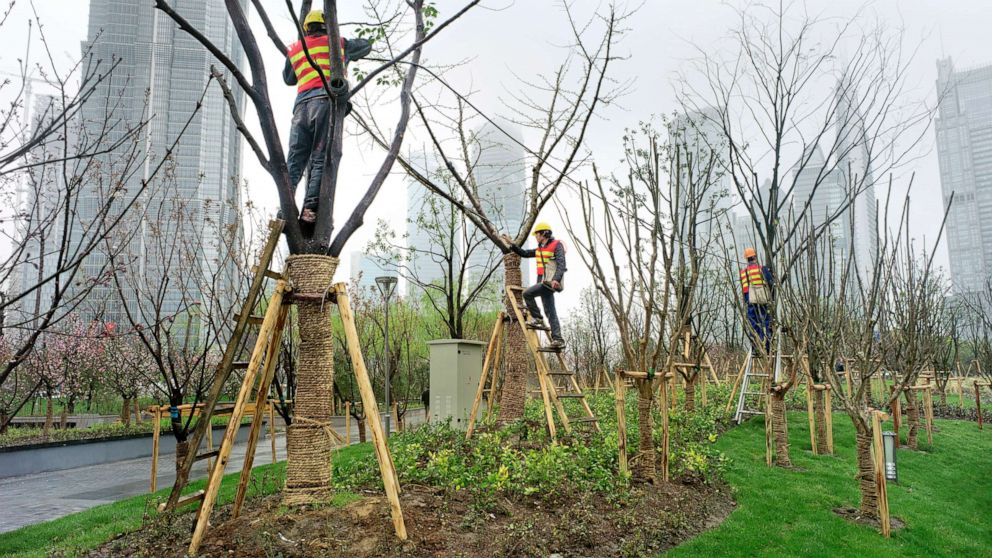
[752, 401]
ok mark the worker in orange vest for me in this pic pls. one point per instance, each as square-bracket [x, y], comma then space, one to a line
[550, 255]
[308, 134]
[756, 282]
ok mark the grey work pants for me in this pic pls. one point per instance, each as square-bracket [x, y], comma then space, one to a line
[548, 301]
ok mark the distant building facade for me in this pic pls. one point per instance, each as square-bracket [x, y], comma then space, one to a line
[964, 150]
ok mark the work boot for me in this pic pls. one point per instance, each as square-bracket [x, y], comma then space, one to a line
[557, 344]
[536, 323]
[308, 215]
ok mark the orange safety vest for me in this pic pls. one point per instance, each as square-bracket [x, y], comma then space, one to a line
[751, 275]
[545, 254]
[306, 76]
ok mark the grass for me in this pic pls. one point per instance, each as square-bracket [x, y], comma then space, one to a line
[944, 495]
[88, 529]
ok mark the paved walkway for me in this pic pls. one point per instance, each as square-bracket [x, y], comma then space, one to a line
[42, 497]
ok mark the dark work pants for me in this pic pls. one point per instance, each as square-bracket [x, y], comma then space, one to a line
[761, 325]
[548, 301]
[307, 142]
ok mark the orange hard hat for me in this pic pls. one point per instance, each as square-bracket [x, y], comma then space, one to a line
[750, 253]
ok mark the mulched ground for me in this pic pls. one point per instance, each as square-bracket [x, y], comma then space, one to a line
[449, 524]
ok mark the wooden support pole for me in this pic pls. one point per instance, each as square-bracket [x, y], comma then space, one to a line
[737, 384]
[268, 373]
[620, 400]
[768, 421]
[928, 410]
[210, 442]
[960, 382]
[809, 414]
[272, 429]
[896, 408]
[703, 380]
[878, 453]
[487, 366]
[347, 422]
[386, 467]
[665, 434]
[828, 413]
[156, 436]
[396, 416]
[978, 404]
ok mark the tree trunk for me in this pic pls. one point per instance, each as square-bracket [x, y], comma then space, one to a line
[912, 419]
[126, 412]
[645, 467]
[49, 415]
[308, 447]
[943, 396]
[64, 417]
[780, 429]
[690, 392]
[866, 472]
[820, 418]
[517, 359]
[4, 420]
[182, 448]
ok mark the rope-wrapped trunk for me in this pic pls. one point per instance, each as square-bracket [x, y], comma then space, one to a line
[866, 473]
[820, 418]
[516, 359]
[690, 391]
[645, 466]
[912, 419]
[780, 429]
[308, 445]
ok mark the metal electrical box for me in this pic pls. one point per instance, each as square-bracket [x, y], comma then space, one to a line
[456, 365]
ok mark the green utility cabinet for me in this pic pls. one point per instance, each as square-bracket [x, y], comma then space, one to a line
[456, 365]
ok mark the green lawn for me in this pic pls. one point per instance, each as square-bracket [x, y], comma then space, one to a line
[90, 528]
[944, 495]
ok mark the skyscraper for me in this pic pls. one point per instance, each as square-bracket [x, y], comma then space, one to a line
[500, 175]
[433, 226]
[162, 74]
[964, 150]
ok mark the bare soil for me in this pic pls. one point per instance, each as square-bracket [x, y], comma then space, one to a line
[854, 516]
[444, 523]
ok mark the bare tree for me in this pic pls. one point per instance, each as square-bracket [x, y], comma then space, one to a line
[799, 118]
[558, 109]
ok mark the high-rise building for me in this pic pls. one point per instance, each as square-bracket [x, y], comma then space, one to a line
[433, 227]
[964, 150]
[705, 183]
[500, 174]
[365, 268]
[161, 75]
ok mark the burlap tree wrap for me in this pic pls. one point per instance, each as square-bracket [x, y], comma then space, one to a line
[646, 465]
[780, 429]
[866, 473]
[308, 444]
[820, 419]
[912, 419]
[517, 356]
[690, 390]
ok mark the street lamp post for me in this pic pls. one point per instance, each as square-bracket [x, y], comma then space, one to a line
[386, 284]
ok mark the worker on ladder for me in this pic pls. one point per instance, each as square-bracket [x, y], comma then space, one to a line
[550, 255]
[756, 282]
[311, 112]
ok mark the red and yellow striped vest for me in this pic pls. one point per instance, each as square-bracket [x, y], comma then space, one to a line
[545, 254]
[306, 76]
[751, 275]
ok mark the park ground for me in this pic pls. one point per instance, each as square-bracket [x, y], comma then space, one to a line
[943, 496]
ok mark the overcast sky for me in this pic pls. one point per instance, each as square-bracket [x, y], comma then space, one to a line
[505, 39]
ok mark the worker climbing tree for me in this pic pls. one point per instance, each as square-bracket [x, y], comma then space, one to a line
[308, 134]
[550, 255]
[756, 283]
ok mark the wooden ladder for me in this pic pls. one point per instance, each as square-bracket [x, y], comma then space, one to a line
[555, 385]
[224, 369]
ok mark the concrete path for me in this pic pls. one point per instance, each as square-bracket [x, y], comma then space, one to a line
[42, 497]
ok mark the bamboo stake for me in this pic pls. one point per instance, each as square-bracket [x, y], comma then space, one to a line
[386, 467]
[156, 435]
[879, 458]
[621, 423]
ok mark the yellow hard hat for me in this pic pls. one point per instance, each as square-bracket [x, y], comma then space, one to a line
[315, 16]
[750, 253]
[541, 227]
